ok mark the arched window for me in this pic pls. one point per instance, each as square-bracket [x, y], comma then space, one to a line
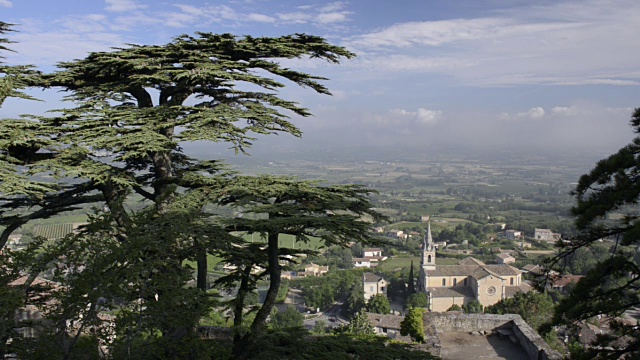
[455, 282]
[429, 259]
[511, 281]
[444, 282]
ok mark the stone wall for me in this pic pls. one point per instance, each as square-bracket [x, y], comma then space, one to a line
[528, 338]
[457, 322]
[532, 343]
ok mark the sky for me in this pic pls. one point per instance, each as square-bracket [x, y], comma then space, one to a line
[492, 74]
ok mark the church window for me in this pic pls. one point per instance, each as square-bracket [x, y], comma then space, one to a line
[455, 282]
[429, 259]
[444, 282]
[511, 281]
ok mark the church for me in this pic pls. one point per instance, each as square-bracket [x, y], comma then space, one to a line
[470, 280]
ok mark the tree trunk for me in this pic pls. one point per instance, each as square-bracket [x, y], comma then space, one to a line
[243, 347]
[238, 308]
[201, 281]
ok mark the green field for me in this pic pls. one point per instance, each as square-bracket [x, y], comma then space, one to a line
[404, 261]
[288, 241]
[53, 231]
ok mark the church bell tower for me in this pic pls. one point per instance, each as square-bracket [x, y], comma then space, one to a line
[428, 251]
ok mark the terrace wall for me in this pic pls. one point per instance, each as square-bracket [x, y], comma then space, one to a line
[528, 338]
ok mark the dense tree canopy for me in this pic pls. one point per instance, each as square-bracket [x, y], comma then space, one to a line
[117, 150]
[378, 304]
[535, 308]
[606, 208]
[288, 318]
[418, 300]
[413, 325]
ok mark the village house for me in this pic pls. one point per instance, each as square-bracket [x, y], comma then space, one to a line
[471, 280]
[394, 233]
[362, 262]
[533, 269]
[316, 270]
[562, 283]
[546, 235]
[440, 245]
[386, 324]
[513, 235]
[503, 258]
[372, 252]
[373, 285]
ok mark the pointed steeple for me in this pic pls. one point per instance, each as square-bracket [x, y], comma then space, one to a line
[428, 250]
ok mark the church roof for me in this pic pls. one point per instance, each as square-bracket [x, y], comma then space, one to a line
[470, 261]
[503, 270]
[510, 291]
[449, 292]
[480, 273]
[476, 271]
[452, 270]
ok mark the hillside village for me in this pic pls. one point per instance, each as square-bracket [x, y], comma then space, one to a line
[462, 284]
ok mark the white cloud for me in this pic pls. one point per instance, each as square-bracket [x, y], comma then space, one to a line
[6, 3]
[399, 62]
[421, 116]
[339, 94]
[334, 6]
[122, 5]
[560, 43]
[533, 113]
[294, 17]
[85, 23]
[260, 18]
[42, 48]
[565, 110]
[332, 17]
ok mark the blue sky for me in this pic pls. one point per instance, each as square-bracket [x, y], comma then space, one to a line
[510, 73]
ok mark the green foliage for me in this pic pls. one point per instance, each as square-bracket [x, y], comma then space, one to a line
[551, 338]
[413, 325]
[355, 301]
[358, 325]
[535, 308]
[418, 300]
[119, 137]
[319, 297]
[216, 317]
[611, 286]
[473, 307]
[320, 327]
[282, 292]
[340, 256]
[455, 307]
[298, 344]
[290, 317]
[378, 304]
[323, 290]
[412, 287]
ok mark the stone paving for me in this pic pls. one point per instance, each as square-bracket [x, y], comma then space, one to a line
[465, 346]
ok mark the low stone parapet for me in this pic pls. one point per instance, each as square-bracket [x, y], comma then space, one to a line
[513, 324]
